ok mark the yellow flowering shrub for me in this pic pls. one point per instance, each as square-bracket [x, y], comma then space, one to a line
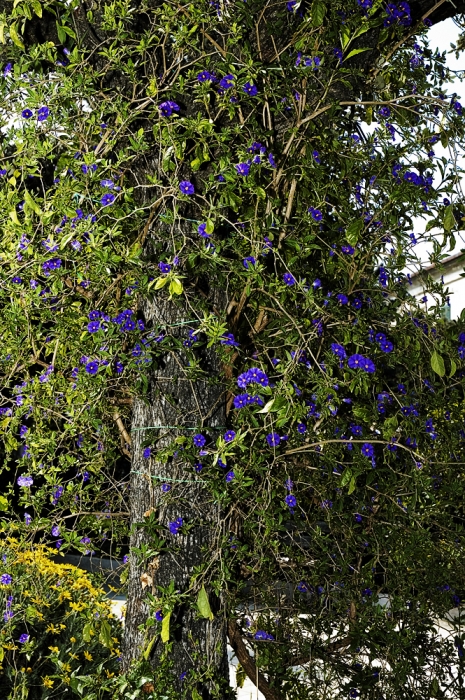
[57, 632]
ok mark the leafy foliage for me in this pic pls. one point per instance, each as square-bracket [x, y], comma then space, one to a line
[243, 147]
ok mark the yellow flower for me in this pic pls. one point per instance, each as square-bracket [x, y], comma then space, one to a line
[55, 650]
[88, 656]
[77, 606]
[66, 667]
[63, 595]
[73, 640]
[53, 629]
[109, 675]
[48, 682]
[73, 656]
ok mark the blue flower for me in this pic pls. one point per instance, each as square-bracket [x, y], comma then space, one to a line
[359, 362]
[273, 439]
[147, 452]
[91, 367]
[338, 54]
[202, 231]
[43, 114]
[229, 435]
[342, 299]
[175, 526]
[93, 326]
[386, 345]
[338, 350]
[271, 160]
[164, 267]
[290, 501]
[384, 112]
[315, 214]
[205, 76]
[347, 249]
[165, 488]
[230, 476]
[355, 429]
[107, 183]
[186, 187]
[199, 440]
[288, 279]
[159, 616]
[23, 639]
[228, 339]
[301, 428]
[167, 108]
[227, 81]
[107, 199]
[250, 89]
[249, 262]
[243, 169]
[358, 518]
[25, 481]
[26, 113]
[5, 579]
[368, 450]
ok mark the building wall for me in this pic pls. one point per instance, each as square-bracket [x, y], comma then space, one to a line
[451, 271]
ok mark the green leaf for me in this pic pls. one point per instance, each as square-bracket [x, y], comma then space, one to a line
[31, 203]
[165, 628]
[203, 604]
[444, 139]
[86, 632]
[318, 12]
[354, 52]
[267, 407]
[15, 37]
[105, 634]
[196, 695]
[176, 286]
[353, 231]
[210, 227]
[453, 368]
[352, 485]
[14, 217]
[449, 219]
[2, 32]
[3, 506]
[437, 364]
[161, 281]
[260, 192]
[37, 7]
[195, 164]
[61, 33]
[346, 477]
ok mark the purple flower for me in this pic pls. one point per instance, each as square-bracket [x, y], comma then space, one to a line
[27, 519]
[26, 113]
[167, 108]
[186, 187]
[384, 112]
[85, 540]
[249, 262]
[164, 267]
[92, 367]
[271, 160]
[288, 279]
[23, 638]
[315, 214]
[227, 81]
[250, 89]
[347, 249]
[5, 579]
[368, 450]
[204, 76]
[243, 169]
[107, 199]
[229, 435]
[301, 428]
[199, 440]
[290, 501]
[228, 339]
[175, 526]
[202, 230]
[230, 476]
[386, 345]
[93, 326]
[147, 452]
[25, 481]
[43, 114]
[107, 183]
[273, 439]
[338, 350]
[55, 531]
[358, 518]
[261, 635]
[342, 299]
[165, 488]
[359, 362]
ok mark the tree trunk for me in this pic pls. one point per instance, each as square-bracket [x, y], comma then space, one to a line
[175, 400]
